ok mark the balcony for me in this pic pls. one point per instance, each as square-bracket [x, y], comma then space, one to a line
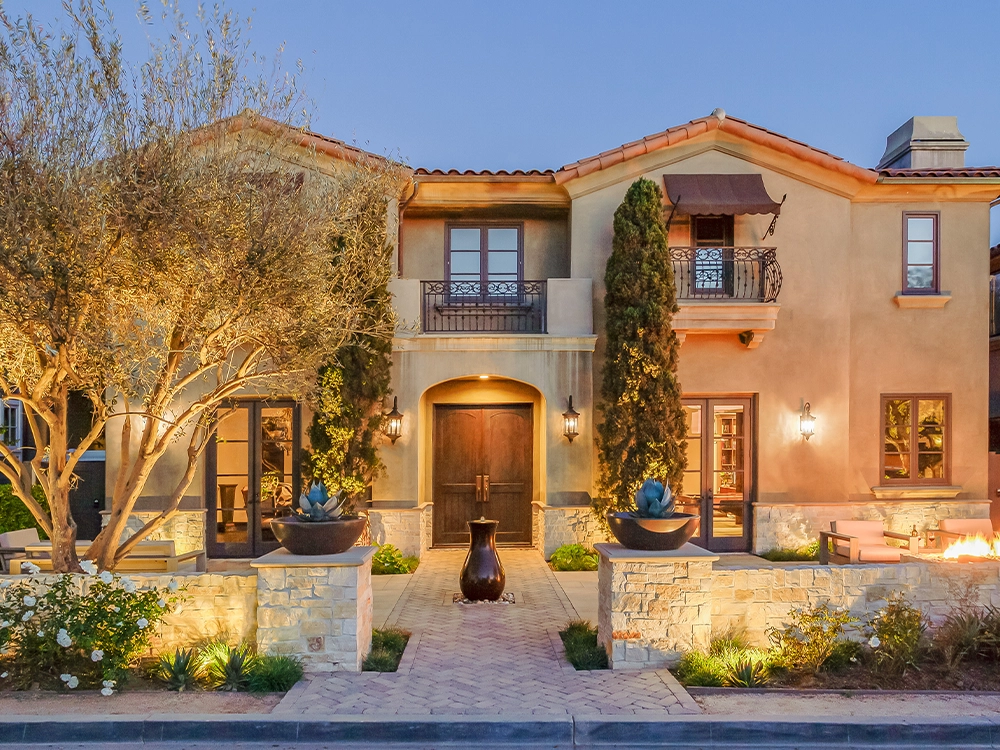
[726, 290]
[477, 307]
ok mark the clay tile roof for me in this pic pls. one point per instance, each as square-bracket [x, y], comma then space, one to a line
[722, 121]
[485, 172]
[943, 172]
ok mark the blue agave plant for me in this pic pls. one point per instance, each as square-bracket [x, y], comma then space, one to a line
[654, 500]
[318, 505]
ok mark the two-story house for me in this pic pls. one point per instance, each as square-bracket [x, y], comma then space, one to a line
[830, 316]
[831, 319]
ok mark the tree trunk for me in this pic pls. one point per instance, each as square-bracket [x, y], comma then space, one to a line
[64, 557]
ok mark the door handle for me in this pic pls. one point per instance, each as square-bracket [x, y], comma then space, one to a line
[486, 488]
[479, 488]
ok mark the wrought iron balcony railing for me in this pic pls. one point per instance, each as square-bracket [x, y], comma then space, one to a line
[746, 274]
[486, 307]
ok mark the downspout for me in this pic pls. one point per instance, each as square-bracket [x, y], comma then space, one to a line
[399, 229]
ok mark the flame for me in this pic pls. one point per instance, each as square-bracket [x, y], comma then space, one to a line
[973, 546]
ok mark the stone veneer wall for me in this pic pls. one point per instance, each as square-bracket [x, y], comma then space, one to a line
[319, 608]
[408, 529]
[186, 528]
[761, 598]
[214, 605]
[793, 526]
[554, 526]
[655, 606]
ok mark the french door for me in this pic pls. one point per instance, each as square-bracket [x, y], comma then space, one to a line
[718, 478]
[252, 475]
[482, 468]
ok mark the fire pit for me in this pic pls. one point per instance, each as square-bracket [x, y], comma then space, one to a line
[973, 548]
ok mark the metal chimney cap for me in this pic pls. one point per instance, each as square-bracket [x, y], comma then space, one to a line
[925, 141]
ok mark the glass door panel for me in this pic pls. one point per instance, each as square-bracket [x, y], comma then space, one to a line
[276, 452]
[728, 470]
[232, 481]
[689, 497]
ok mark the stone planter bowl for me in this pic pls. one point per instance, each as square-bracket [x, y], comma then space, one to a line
[317, 537]
[653, 534]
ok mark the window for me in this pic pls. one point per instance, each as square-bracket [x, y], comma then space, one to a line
[920, 254]
[484, 261]
[10, 424]
[915, 446]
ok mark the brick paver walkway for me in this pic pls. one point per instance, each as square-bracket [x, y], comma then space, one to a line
[486, 659]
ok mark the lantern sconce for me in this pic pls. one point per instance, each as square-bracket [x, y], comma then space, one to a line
[394, 422]
[571, 422]
[807, 422]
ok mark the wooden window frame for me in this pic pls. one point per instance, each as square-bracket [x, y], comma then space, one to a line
[936, 268]
[914, 451]
[484, 226]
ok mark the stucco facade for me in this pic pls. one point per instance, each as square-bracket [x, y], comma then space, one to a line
[840, 335]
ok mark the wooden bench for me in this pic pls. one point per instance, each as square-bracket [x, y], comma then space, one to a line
[146, 557]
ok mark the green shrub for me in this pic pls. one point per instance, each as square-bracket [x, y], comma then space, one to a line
[697, 669]
[810, 638]
[844, 654]
[962, 633]
[582, 649]
[226, 667]
[801, 554]
[387, 649]
[731, 639]
[896, 635]
[179, 670]
[275, 674]
[14, 514]
[990, 637]
[747, 673]
[76, 629]
[573, 557]
[390, 561]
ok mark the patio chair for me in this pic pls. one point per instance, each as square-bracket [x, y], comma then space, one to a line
[861, 542]
[955, 529]
[12, 544]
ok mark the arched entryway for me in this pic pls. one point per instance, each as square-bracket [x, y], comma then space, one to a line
[483, 457]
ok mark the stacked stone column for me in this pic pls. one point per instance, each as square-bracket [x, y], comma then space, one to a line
[319, 607]
[653, 606]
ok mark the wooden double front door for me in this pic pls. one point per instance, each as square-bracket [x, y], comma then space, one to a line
[482, 467]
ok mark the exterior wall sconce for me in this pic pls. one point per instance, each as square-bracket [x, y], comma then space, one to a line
[394, 422]
[807, 422]
[571, 422]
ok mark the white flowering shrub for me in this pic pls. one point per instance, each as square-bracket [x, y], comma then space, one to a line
[72, 630]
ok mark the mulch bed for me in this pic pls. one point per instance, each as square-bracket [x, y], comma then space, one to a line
[973, 675]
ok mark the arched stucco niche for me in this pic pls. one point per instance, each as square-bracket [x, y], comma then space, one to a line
[476, 390]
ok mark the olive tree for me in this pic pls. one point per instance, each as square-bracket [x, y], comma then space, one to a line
[169, 239]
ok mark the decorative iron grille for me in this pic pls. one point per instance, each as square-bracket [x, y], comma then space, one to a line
[728, 273]
[488, 307]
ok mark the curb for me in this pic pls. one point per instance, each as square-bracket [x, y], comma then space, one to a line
[520, 731]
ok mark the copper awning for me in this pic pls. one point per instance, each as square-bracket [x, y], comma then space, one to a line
[719, 194]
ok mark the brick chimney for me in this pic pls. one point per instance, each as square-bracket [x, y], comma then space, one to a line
[925, 143]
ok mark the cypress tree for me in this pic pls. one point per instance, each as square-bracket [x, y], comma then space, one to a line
[643, 427]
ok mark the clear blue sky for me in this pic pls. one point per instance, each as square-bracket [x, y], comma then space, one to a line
[540, 84]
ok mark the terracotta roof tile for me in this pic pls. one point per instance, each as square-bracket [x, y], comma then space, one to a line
[485, 172]
[943, 172]
[680, 133]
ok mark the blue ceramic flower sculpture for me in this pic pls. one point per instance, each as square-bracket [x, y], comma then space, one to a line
[654, 500]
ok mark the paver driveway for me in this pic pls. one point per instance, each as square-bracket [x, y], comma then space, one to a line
[487, 658]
